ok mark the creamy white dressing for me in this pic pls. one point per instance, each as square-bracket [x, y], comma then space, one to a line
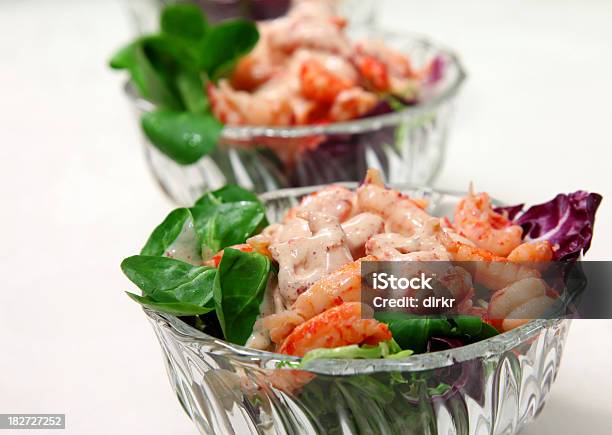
[359, 229]
[332, 228]
[304, 260]
[186, 246]
[333, 201]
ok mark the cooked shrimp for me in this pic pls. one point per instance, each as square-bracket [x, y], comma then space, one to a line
[352, 103]
[309, 25]
[338, 326]
[278, 233]
[428, 255]
[396, 247]
[532, 252]
[476, 220]
[336, 201]
[342, 285]
[304, 260]
[517, 303]
[396, 63]
[216, 259]
[320, 84]
[402, 214]
[374, 72]
[526, 312]
[259, 66]
[243, 108]
[486, 268]
[359, 229]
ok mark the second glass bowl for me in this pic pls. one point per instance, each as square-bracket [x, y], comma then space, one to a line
[407, 146]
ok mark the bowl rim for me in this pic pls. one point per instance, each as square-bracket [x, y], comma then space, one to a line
[496, 345]
[355, 126]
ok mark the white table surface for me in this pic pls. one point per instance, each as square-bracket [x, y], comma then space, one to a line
[534, 120]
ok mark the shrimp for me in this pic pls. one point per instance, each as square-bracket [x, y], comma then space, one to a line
[532, 252]
[234, 107]
[336, 201]
[428, 256]
[352, 103]
[320, 84]
[397, 63]
[304, 260]
[338, 326]
[486, 268]
[278, 233]
[402, 214]
[374, 72]
[515, 304]
[260, 65]
[359, 229]
[526, 312]
[476, 220]
[216, 259]
[341, 286]
[396, 247]
[309, 25]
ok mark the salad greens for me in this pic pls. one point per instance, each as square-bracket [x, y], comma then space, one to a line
[219, 225]
[234, 290]
[167, 232]
[171, 285]
[414, 332]
[240, 284]
[172, 68]
[385, 349]
[227, 217]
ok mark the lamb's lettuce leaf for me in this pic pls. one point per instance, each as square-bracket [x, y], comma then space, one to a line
[166, 233]
[163, 279]
[414, 332]
[183, 136]
[238, 292]
[174, 308]
[184, 21]
[172, 69]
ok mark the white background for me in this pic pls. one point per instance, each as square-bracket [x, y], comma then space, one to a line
[533, 120]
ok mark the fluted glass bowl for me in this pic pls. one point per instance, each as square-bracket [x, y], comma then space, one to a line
[145, 13]
[495, 386]
[407, 146]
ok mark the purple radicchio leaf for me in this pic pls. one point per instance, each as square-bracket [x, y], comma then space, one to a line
[566, 222]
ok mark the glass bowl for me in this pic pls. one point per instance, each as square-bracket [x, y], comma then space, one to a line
[495, 386]
[407, 146]
[145, 13]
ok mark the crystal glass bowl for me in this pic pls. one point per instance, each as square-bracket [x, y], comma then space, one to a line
[495, 386]
[408, 146]
[145, 13]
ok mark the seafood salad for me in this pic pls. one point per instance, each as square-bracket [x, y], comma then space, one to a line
[205, 89]
[294, 286]
[306, 69]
